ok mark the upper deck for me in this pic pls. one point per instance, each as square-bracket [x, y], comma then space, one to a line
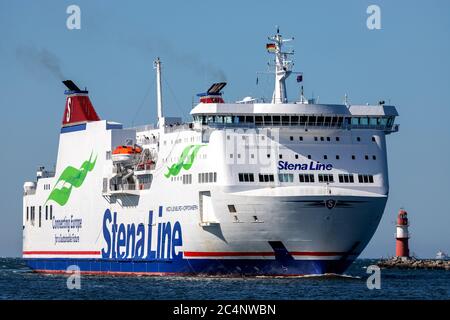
[379, 117]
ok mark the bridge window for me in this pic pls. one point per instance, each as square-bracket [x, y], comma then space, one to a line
[276, 120]
[312, 120]
[294, 120]
[285, 120]
[258, 120]
[303, 120]
[320, 120]
[249, 119]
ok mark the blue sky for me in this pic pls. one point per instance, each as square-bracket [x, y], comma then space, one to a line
[405, 63]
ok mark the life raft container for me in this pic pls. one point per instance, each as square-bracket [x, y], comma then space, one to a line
[125, 153]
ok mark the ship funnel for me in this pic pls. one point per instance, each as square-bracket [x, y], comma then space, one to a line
[79, 108]
[213, 95]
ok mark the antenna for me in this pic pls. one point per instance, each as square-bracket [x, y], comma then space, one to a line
[157, 66]
[283, 66]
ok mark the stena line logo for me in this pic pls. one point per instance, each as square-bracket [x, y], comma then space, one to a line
[71, 177]
[185, 161]
[136, 241]
[312, 166]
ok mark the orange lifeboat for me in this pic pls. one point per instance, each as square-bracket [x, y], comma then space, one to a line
[125, 153]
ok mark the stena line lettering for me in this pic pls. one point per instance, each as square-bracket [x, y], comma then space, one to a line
[312, 166]
[131, 241]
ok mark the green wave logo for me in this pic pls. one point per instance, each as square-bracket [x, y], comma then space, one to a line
[70, 177]
[185, 161]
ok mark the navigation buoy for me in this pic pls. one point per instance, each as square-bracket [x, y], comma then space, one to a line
[402, 236]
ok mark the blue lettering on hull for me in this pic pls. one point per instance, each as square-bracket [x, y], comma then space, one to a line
[312, 166]
[136, 242]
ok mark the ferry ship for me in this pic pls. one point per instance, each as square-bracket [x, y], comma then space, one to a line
[253, 187]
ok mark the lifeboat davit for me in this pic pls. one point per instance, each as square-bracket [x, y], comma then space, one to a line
[125, 153]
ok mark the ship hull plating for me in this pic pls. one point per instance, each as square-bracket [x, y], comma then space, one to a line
[274, 236]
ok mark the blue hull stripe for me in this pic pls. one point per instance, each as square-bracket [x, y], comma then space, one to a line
[193, 266]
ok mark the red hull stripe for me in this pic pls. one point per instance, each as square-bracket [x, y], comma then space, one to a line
[252, 254]
[199, 254]
[63, 252]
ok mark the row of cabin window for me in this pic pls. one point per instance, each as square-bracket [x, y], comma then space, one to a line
[300, 138]
[187, 178]
[207, 177]
[176, 141]
[31, 213]
[306, 178]
[325, 157]
[327, 121]
[365, 178]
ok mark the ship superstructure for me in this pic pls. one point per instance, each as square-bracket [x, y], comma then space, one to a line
[254, 188]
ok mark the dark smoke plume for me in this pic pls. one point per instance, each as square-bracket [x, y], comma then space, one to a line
[163, 48]
[37, 60]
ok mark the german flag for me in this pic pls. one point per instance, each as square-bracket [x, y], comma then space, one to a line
[271, 47]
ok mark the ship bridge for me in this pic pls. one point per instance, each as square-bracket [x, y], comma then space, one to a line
[380, 117]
